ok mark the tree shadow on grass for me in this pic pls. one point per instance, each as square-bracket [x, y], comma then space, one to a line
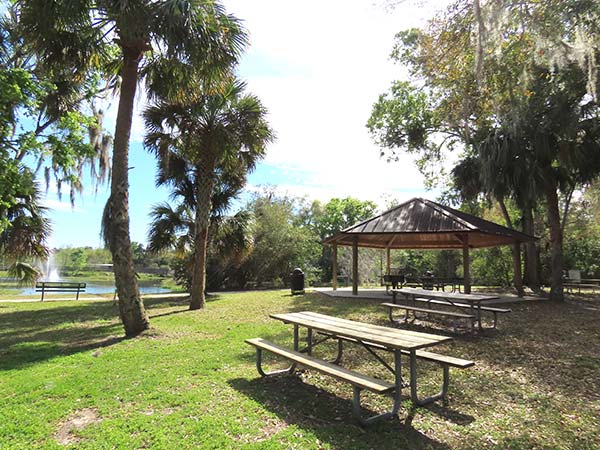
[328, 416]
[37, 347]
[554, 343]
[44, 330]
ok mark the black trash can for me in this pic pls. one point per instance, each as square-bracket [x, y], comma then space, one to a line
[428, 280]
[297, 281]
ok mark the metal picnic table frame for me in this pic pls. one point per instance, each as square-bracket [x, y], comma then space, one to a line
[452, 298]
[372, 338]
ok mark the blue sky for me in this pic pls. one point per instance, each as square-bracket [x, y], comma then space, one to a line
[318, 66]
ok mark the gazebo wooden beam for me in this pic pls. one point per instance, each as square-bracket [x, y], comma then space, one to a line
[387, 261]
[387, 253]
[355, 266]
[517, 269]
[464, 238]
[334, 267]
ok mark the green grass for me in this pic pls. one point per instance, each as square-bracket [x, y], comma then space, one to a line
[191, 381]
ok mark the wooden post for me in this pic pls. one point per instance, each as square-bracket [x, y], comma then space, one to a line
[355, 266]
[334, 268]
[517, 269]
[387, 270]
[466, 265]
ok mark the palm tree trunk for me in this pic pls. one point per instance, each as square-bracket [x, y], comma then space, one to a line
[204, 188]
[131, 308]
[556, 240]
[532, 278]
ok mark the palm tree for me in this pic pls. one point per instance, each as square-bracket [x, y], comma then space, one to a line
[24, 229]
[191, 39]
[218, 130]
[173, 224]
[549, 143]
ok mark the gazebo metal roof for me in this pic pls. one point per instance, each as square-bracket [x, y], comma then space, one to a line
[423, 224]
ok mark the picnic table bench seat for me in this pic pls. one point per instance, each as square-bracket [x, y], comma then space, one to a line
[356, 379]
[59, 286]
[493, 309]
[415, 309]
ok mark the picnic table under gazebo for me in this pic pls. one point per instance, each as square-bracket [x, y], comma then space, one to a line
[422, 224]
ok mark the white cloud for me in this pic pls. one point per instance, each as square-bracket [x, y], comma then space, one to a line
[319, 67]
[59, 205]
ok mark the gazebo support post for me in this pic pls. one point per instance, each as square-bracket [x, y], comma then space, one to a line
[334, 269]
[387, 261]
[355, 265]
[517, 269]
[466, 265]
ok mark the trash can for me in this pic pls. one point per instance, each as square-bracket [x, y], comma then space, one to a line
[297, 281]
[428, 280]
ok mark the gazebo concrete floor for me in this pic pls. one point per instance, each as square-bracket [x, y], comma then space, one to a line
[380, 294]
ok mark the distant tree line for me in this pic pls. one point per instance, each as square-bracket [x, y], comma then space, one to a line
[281, 233]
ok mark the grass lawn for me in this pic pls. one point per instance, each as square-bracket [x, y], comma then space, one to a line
[67, 378]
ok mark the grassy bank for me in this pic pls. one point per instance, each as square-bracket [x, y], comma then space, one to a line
[68, 378]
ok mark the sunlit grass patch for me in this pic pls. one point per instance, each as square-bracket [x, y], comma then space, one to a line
[68, 378]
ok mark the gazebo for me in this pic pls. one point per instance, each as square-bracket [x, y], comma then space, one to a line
[421, 224]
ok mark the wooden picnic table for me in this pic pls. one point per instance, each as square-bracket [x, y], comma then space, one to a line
[372, 338]
[452, 298]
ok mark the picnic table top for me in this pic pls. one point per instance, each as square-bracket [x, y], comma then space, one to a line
[390, 338]
[470, 298]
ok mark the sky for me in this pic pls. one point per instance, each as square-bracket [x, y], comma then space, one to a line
[318, 66]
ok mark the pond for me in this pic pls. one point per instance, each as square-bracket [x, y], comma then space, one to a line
[100, 287]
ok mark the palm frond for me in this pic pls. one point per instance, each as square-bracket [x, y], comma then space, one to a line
[24, 273]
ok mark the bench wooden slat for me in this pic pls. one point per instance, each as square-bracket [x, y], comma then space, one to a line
[354, 378]
[429, 311]
[57, 290]
[443, 359]
[463, 305]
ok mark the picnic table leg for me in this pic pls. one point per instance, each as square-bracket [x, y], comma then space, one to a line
[478, 305]
[309, 341]
[338, 358]
[290, 369]
[414, 396]
[356, 408]
[296, 337]
[42, 294]
[262, 373]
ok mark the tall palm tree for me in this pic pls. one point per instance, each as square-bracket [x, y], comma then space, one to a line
[219, 129]
[173, 225]
[173, 42]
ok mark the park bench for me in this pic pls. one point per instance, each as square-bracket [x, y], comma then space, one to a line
[370, 337]
[570, 286]
[59, 286]
[492, 309]
[414, 309]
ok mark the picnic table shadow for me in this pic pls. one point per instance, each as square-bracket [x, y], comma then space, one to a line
[330, 417]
